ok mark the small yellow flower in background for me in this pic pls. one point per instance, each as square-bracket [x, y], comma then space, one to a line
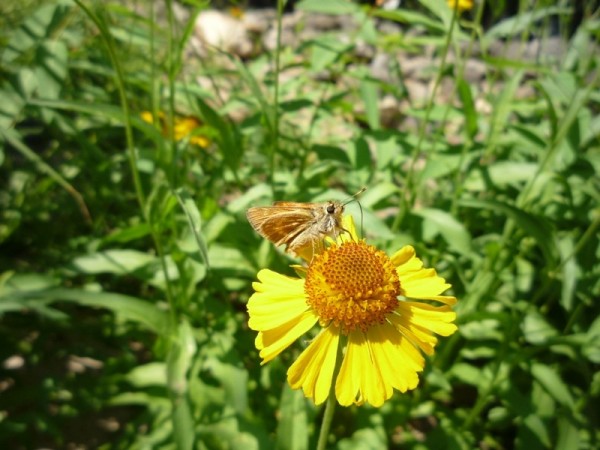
[377, 307]
[460, 5]
[236, 12]
[183, 128]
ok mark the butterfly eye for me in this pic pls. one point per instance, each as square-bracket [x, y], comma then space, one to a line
[330, 209]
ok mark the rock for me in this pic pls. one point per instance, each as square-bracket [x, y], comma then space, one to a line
[380, 67]
[418, 92]
[221, 31]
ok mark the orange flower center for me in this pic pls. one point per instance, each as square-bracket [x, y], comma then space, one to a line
[353, 285]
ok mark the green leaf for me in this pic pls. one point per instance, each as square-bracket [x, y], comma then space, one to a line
[503, 107]
[536, 329]
[51, 68]
[12, 137]
[535, 226]
[126, 307]
[333, 7]
[568, 434]
[552, 383]
[453, 232]
[534, 433]
[326, 49]
[468, 374]
[468, 107]
[228, 137]
[179, 360]
[119, 262]
[128, 234]
[194, 221]
[369, 93]
[292, 430]
[233, 379]
[148, 375]
[376, 194]
[591, 346]
[521, 22]
[410, 18]
[183, 424]
[570, 273]
[364, 439]
[41, 24]
[439, 9]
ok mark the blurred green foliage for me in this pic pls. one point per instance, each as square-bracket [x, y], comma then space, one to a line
[126, 259]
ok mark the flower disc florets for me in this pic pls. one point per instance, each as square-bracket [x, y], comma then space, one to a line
[353, 285]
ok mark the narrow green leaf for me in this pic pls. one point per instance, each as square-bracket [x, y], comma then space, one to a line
[439, 9]
[51, 68]
[128, 234]
[333, 7]
[535, 433]
[148, 375]
[591, 346]
[535, 226]
[194, 221]
[503, 107]
[292, 430]
[228, 138]
[233, 379]
[570, 273]
[325, 50]
[365, 439]
[181, 353]
[12, 137]
[183, 424]
[120, 262]
[369, 94]
[453, 232]
[410, 18]
[257, 90]
[129, 308]
[568, 434]
[552, 383]
[536, 329]
[179, 360]
[521, 22]
[468, 107]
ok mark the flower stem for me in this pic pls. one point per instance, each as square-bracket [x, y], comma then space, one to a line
[327, 419]
[331, 401]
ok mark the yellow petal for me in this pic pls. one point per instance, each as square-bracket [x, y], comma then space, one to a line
[435, 319]
[272, 342]
[278, 299]
[349, 235]
[360, 379]
[313, 370]
[405, 260]
[424, 283]
[269, 280]
[147, 117]
[396, 358]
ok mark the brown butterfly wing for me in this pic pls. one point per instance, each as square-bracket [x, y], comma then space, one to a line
[283, 222]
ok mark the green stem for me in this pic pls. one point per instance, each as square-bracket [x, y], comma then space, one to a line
[327, 418]
[131, 149]
[412, 179]
[275, 137]
[331, 400]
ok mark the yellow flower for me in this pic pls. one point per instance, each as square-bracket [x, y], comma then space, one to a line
[374, 306]
[460, 5]
[183, 127]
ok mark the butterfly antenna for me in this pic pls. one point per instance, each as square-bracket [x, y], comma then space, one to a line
[353, 197]
[362, 228]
